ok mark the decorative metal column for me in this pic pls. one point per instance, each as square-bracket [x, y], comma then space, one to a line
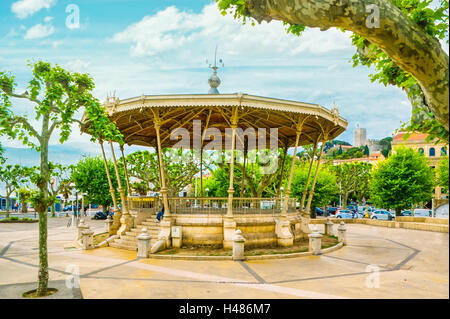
[125, 169]
[305, 191]
[229, 225]
[164, 189]
[126, 220]
[291, 173]
[117, 213]
[311, 193]
[234, 121]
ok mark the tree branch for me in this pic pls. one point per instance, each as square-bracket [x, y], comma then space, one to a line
[399, 37]
[26, 124]
[24, 95]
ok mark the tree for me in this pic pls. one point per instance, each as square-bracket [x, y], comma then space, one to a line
[262, 174]
[59, 175]
[13, 176]
[180, 168]
[362, 189]
[56, 95]
[405, 50]
[443, 177]
[386, 143]
[65, 189]
[366, 150]
[24, 195]
[140, 187]
[89, 176]
[349, 176]
[403, 180]
[325, 190]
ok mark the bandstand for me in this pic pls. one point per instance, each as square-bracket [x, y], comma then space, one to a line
[230, 120]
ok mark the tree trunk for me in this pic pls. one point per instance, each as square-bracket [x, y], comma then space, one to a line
[52, 209]
[344, 200]
[42, 210]
[398, 36]
[398, 211]
[8, 202]
[24, 207]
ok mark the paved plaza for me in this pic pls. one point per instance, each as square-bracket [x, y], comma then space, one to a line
[411, 264]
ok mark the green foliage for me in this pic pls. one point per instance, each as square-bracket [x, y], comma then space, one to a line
[24, 195]
[89, 176]
[140, 187]
[325, 190]
[443, 177]
[403, 180]
[180, 167]
[353, 178]
[219, 182]
[354, 152]
[366, 150]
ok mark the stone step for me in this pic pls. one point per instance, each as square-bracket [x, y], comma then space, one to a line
[152, 223]
[129, 237]
[122, 246]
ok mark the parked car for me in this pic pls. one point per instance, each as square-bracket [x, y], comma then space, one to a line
[406, 213]
[422, 212]
[331, 210]
[102, 215]
[319, 211]
[69, 208]
[382, 215]
[344, 213]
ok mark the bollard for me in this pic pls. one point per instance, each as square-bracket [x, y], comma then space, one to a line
[342, 233]
[108, 224]
[176, 236]
[329, 227]
[238, 246]
[81, 227]
[315, 242]
[143, 243]
[87, 238]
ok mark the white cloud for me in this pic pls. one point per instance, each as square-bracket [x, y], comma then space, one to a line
[25, 8]
[172, 30]
[78, 65]
[39, 31]
[48, 19]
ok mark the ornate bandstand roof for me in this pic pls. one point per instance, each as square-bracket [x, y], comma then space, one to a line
[134, 117]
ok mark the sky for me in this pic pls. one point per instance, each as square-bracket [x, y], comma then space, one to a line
[155, 47]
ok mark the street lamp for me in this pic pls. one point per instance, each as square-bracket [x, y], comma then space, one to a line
[206, 190]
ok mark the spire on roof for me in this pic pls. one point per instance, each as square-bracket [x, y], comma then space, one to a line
[214, 80]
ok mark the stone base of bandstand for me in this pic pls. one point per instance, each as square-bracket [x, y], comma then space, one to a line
[229, 229]
[218, 231]
[126, 223]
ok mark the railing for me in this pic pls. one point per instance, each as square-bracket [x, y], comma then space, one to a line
[213, 205]
[219, 205]
[144, 203]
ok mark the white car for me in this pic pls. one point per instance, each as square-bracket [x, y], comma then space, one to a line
[422, 212]
[382, 215]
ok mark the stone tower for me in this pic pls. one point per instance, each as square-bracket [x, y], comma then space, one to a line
[360, 138]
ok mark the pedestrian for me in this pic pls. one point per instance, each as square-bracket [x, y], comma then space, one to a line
[160, 215]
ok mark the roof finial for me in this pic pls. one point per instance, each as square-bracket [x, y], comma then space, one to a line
[214, 80]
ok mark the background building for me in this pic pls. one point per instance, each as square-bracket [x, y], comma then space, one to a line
[430, 149]
[359, 136]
